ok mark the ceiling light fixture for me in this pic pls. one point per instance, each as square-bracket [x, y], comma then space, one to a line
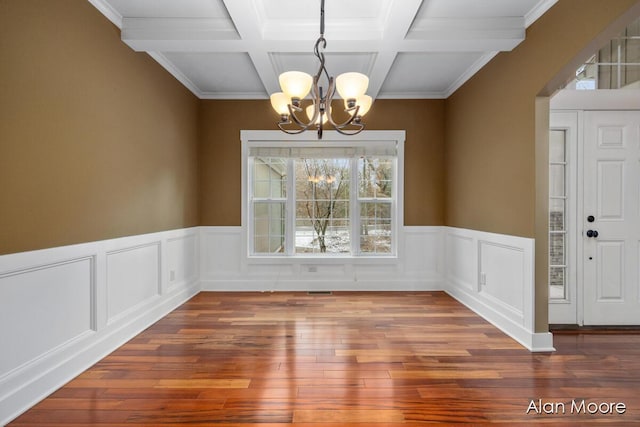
[296, 85]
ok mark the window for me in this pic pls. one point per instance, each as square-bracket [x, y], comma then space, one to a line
[321, 198]
[557, 215]
[269, 195]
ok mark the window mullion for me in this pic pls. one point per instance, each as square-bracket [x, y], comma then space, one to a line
[354, 210]
[395, 230]
[290, 211]
[250, 207]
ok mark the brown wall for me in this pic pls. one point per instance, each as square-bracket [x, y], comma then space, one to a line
[220, 154]
[497, 128]
[490, 121]
[96, 141]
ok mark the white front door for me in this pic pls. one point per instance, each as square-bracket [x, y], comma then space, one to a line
[611, 218]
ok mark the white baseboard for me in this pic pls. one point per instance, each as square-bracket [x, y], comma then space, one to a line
[320, 285]
[534, 342]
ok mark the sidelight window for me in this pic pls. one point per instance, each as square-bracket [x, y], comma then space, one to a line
[557, 215]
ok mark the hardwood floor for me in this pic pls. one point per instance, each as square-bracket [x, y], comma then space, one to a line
[347, 359]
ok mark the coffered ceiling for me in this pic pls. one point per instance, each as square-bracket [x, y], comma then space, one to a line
[235, 49]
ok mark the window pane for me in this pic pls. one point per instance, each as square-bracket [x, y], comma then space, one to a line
[375, 227]
[261, 189]
[322, 206]
[323, 236]
[556, 146]
[269, 177]
[268, 227]
[375, 177]
[556, 180]
[556, 283]
[556, 249]
[304, 236]
[556, 215]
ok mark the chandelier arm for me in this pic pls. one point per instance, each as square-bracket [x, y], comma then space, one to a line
[296, 120]
[352, 132]
[347, 122]
[289, 131]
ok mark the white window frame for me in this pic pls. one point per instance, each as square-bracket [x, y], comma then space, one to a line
[250, 139]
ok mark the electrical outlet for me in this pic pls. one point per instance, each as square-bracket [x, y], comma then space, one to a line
[483, 278]
[312, 269]
[172, 275]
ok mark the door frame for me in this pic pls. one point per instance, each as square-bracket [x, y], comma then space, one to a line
[564, 105]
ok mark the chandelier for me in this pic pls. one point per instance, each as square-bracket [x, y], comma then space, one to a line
[296, 85]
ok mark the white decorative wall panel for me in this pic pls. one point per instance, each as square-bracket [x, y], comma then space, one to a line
[462, 263]
[502, 271]
[493, 275]
[63, 309]
[221, 251]
[225, 266]
[51, 302]
[422, 250]
[182, 259]
[133, 277]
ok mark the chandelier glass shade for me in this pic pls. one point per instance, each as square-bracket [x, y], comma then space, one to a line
[296, 86]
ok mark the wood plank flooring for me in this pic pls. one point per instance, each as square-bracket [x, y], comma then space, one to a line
[346, 359]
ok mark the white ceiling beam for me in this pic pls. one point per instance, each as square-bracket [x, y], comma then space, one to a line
[399, 18]
[247, 23]
[461, 45]
[503, 31]
[310, 31]
[178, 34]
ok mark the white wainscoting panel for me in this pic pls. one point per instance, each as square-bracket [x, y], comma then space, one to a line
[224, 266]
[493, 274]
[52, 302]
[63, 309]
[462, 261]
[221, 252]
[133, 278]
[422, 253]
[182, 260]
[502, 277]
